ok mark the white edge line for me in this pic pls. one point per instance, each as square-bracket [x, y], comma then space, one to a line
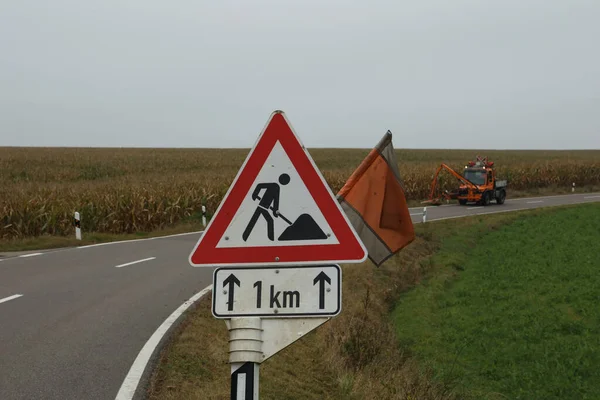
[517, 199]
[547, 197]
[412, 215]
[433, 206]
[453, 217]
[9, 298]
[132, 380]
[535, 201]
[591, 197]
[504, 211]
[137, 240]
[491, 212]
[516, 209]
[135, 262]
[30, 255]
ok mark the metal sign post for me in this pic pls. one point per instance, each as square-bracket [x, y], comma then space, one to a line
[245, 355]
[276, 239]
[244, 381]
[272, 303]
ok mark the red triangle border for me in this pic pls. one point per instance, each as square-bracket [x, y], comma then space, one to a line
[349, 248]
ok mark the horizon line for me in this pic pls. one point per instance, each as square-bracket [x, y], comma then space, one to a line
[316, 148]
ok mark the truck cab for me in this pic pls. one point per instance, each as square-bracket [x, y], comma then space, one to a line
[485, 186]
[478, 184]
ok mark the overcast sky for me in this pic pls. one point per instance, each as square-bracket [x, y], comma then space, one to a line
[196, 73]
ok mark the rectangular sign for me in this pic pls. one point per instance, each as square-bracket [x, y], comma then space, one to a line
[309, 291]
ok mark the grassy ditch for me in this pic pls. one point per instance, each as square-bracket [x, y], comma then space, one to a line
[512, 314]
[355, 355]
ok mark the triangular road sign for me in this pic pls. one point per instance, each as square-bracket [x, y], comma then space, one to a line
[278, 211]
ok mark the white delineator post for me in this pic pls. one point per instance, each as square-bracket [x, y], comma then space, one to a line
[245, 355]
[424, 214]
[77, 226]
[204, 216]
[573, 188]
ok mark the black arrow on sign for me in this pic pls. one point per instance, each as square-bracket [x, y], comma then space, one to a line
[231, 281]
[321, 278]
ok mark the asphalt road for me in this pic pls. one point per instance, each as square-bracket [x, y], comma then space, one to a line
[84, 314]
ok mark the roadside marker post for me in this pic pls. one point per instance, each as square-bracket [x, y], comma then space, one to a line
[424, 214]
[573, 188]
[276, 241]
[204, 216]
[77, 223]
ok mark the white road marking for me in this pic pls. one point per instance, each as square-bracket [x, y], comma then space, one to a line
[134, 262]
[483, 213]
[536, 201]
[137, 240]
[31, 255]
[546, 197]
[473, 208]
[516, 209]
[524, 209]
[591, 197]
[134, 375]
[512, 200]
[412, 215]
[432, 206]
[503, 211]
[453, 217]
[9, 298]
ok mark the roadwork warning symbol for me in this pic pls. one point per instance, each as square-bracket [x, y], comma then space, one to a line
[278, 211]
[304, 228]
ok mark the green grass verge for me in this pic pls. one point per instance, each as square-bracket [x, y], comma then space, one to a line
[512, 313]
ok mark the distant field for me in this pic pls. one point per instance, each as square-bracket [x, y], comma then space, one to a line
[141, 190]
[513, 314]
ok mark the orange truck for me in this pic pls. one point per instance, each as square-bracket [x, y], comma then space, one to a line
[477, 184]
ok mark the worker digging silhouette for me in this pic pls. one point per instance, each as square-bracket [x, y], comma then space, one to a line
[269, 201]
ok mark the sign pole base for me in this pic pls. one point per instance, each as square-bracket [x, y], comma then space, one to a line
[244, 381]
[245, 355]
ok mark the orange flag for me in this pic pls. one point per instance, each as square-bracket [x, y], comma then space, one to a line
[373, 198]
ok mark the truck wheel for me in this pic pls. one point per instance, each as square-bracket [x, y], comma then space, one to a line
[501, 197]
[486, 198]
[462, 202]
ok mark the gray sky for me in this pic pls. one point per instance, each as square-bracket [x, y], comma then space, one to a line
[197, 73]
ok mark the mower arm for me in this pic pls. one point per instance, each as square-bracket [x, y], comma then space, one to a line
[453, 173]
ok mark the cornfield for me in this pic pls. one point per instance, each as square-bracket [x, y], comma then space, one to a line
[133, 190]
